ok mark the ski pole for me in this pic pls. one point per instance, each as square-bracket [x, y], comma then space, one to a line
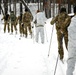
[50, 40]
[33, 33]
[56, 65]
[32, 27]
[46, 33]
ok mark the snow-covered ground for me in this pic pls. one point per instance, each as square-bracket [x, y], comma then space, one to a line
[26, 57]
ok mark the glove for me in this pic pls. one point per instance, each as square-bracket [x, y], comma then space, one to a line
[32, 26]
[1, 19]
[35, 21]
[45, 22]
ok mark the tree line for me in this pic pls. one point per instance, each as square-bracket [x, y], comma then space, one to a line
[47, 5]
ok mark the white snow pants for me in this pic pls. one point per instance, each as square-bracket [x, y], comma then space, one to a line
[71, 60]
[40, 30]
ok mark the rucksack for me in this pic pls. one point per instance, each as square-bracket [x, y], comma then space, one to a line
[6, 17]
[27, 17]
[12, 17]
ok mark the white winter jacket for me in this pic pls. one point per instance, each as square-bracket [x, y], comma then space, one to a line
[72, 33]
[72, 39]
[40, 17]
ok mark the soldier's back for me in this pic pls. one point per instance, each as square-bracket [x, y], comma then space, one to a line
[61, 18]
[27, 17]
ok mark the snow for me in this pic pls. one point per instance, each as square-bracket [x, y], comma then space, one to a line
[26, 57]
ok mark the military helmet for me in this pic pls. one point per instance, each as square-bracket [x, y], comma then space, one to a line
[63, 9]
[74, 9]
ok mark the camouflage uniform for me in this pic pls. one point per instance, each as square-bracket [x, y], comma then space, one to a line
[13, 22]
[6, 22]
[62, 21]
[21, 26]
[26, 19]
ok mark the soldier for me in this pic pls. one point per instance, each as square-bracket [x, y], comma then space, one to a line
[26, 19]
[6, 22]
[39, 21]
[21, 26]
[13, 19]
[72, 45]
[62, 21]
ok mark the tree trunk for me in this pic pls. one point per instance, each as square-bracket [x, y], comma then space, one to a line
[10, 5]
[14, 6]
[38, 5]
[26, 7]
[50, 9]
[54, 8]
[21, 8]
[21, 11]
[43, 4]
[5, 6]
[69, 6]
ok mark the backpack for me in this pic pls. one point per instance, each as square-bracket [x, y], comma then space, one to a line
[27, 17]
[12, 17]
[6, 17]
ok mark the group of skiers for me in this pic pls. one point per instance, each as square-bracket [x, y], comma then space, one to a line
[64, 25]
[24, 21]
[10, 19]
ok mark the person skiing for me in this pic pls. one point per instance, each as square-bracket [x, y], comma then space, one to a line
[26, 20]
[21, 26]
[39, 21]
[6, 19]
[13, 20]
[62, 21]
[71, 45]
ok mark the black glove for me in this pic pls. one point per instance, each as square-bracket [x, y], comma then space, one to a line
[1, 19]
[32, 26]
[45, 22]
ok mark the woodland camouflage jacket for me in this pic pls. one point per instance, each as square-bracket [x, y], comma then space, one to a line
[6, 18]
[62, 21]
[27, 17]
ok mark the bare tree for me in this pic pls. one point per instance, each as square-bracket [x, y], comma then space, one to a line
[10, 5]
[69, 6]
[5, 6]
[14, 6]
[20, 7]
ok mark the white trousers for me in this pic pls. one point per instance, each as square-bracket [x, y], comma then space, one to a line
[71, 60]
[40, 30]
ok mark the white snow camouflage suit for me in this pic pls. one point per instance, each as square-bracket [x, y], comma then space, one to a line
[71, 46]
[40, 18]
